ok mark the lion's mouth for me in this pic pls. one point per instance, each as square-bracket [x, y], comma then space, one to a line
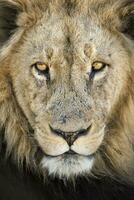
[69, 154]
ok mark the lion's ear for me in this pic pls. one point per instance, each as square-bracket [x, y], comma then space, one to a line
[126, 18]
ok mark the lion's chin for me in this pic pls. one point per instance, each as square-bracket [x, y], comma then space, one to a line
[67, 166]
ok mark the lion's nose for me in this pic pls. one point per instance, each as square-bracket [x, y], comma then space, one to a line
[70, 137]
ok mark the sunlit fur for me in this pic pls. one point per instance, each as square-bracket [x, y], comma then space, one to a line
[49, 30]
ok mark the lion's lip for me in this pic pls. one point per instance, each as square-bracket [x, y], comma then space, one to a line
[70, 153]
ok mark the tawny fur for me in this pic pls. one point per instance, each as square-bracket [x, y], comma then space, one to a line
[116, 154]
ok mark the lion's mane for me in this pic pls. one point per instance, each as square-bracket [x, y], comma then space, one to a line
[116, 155]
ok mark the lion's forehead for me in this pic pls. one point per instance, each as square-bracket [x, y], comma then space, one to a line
[64, 33]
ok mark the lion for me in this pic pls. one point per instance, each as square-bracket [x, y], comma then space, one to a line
[67, 86]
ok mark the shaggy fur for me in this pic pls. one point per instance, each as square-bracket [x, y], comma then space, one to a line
[115, 155]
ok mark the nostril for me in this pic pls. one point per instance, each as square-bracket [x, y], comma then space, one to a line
[70, 137]
[56, 131]
[84, 131]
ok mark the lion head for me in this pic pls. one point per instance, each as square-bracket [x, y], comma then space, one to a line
[66, 85]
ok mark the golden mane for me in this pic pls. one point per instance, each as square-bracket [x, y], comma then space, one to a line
[116, 155]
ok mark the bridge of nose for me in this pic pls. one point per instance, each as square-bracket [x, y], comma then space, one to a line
[70, 115]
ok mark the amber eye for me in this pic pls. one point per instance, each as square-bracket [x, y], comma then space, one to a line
[97, 67]
[42, 69]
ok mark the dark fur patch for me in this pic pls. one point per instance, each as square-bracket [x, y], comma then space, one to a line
[70, 6]
[7, 22]
[128, 25]
[127, 18]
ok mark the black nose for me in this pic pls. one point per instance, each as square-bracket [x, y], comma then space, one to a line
[70, 137]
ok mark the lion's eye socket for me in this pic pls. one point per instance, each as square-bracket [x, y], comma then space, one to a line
[97, 67]
[42, 69]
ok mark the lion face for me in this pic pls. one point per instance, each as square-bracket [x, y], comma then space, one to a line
[68, 75]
